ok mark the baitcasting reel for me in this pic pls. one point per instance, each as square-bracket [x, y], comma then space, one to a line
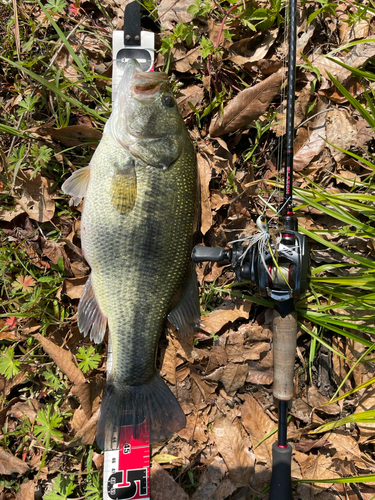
[285, 280]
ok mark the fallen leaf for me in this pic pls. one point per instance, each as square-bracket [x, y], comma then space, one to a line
[249, 50]
[247, 106]
[367, 402]
[26, 491]
[9, 464]
[234, 377]
[170, 12]
[67, 363]
[27, 408]
[32, 195]
[318, 467]
[229, 311]
[193, 94]
[73, 287]
[73, 135]
[349, 31]
[8, 214]
[258, 425]
[234, 449]
[204, 173]
[310, 139]
[168, 369]
[316, 400]
[162, 483]
[210, 479]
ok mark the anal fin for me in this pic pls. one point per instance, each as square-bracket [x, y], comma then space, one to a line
[90, 317]
[76, 185]
[186, 315]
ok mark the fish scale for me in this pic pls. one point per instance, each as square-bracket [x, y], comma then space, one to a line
[137, 225]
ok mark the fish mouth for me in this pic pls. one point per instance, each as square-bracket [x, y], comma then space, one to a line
[148, 84]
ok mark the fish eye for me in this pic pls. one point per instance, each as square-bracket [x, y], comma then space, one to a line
[168, 101]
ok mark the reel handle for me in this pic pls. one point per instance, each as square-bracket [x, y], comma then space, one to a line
[210, 254]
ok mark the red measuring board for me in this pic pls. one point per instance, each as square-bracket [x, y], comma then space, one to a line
[126, 473]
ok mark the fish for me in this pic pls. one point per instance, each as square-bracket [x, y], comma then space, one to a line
[139, 210]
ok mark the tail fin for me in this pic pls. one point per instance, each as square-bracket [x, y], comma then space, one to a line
[130, 405]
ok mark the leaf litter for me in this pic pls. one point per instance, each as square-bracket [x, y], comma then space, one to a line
[223, 381]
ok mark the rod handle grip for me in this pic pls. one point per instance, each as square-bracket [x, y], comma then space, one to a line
[284, 353]
[281, 481]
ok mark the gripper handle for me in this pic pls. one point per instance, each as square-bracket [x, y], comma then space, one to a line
[284, 353]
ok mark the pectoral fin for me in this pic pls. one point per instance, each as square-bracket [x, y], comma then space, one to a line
[124, 187]
[76, 185]
[186, 315]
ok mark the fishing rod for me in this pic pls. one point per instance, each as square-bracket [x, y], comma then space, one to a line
[279, 265]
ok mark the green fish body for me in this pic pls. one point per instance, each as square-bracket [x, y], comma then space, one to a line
[140, 193]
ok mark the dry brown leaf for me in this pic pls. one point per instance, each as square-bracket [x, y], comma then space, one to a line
[258, 425]
[54, 250]
[185, 61]
[162, 483]
[234, 377]
[67, 364]
[26, 491]
[315, 399]
[64, 360]
[347, 449]
[218, 357]
[168, 369]
[32, 195]
[194, 429]
[341, 131]
[367, 402]
[193, 94]
[210, 479]
[204, 173]
[246, 51]
[234, 448]
[349, 31]
[317, 467]
[247, 106]
[73, 135]
[9, 464]
[73, 287]
[86, 434]
[229, 311]
[310, 139]
[170, 12]
[27, 408]
[7, 215]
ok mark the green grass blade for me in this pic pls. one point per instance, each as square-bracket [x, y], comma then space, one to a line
[355, 257]
[364, 416]
[319, 339]
[64, 40]
[369, 382]
[365, 114]
[55, 90]
[355, 71]
[367, 478]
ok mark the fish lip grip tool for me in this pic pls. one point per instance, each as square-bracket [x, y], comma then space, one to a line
[126, 469]
[131, 43]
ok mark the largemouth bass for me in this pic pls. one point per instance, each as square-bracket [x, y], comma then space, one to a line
[140, 193]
